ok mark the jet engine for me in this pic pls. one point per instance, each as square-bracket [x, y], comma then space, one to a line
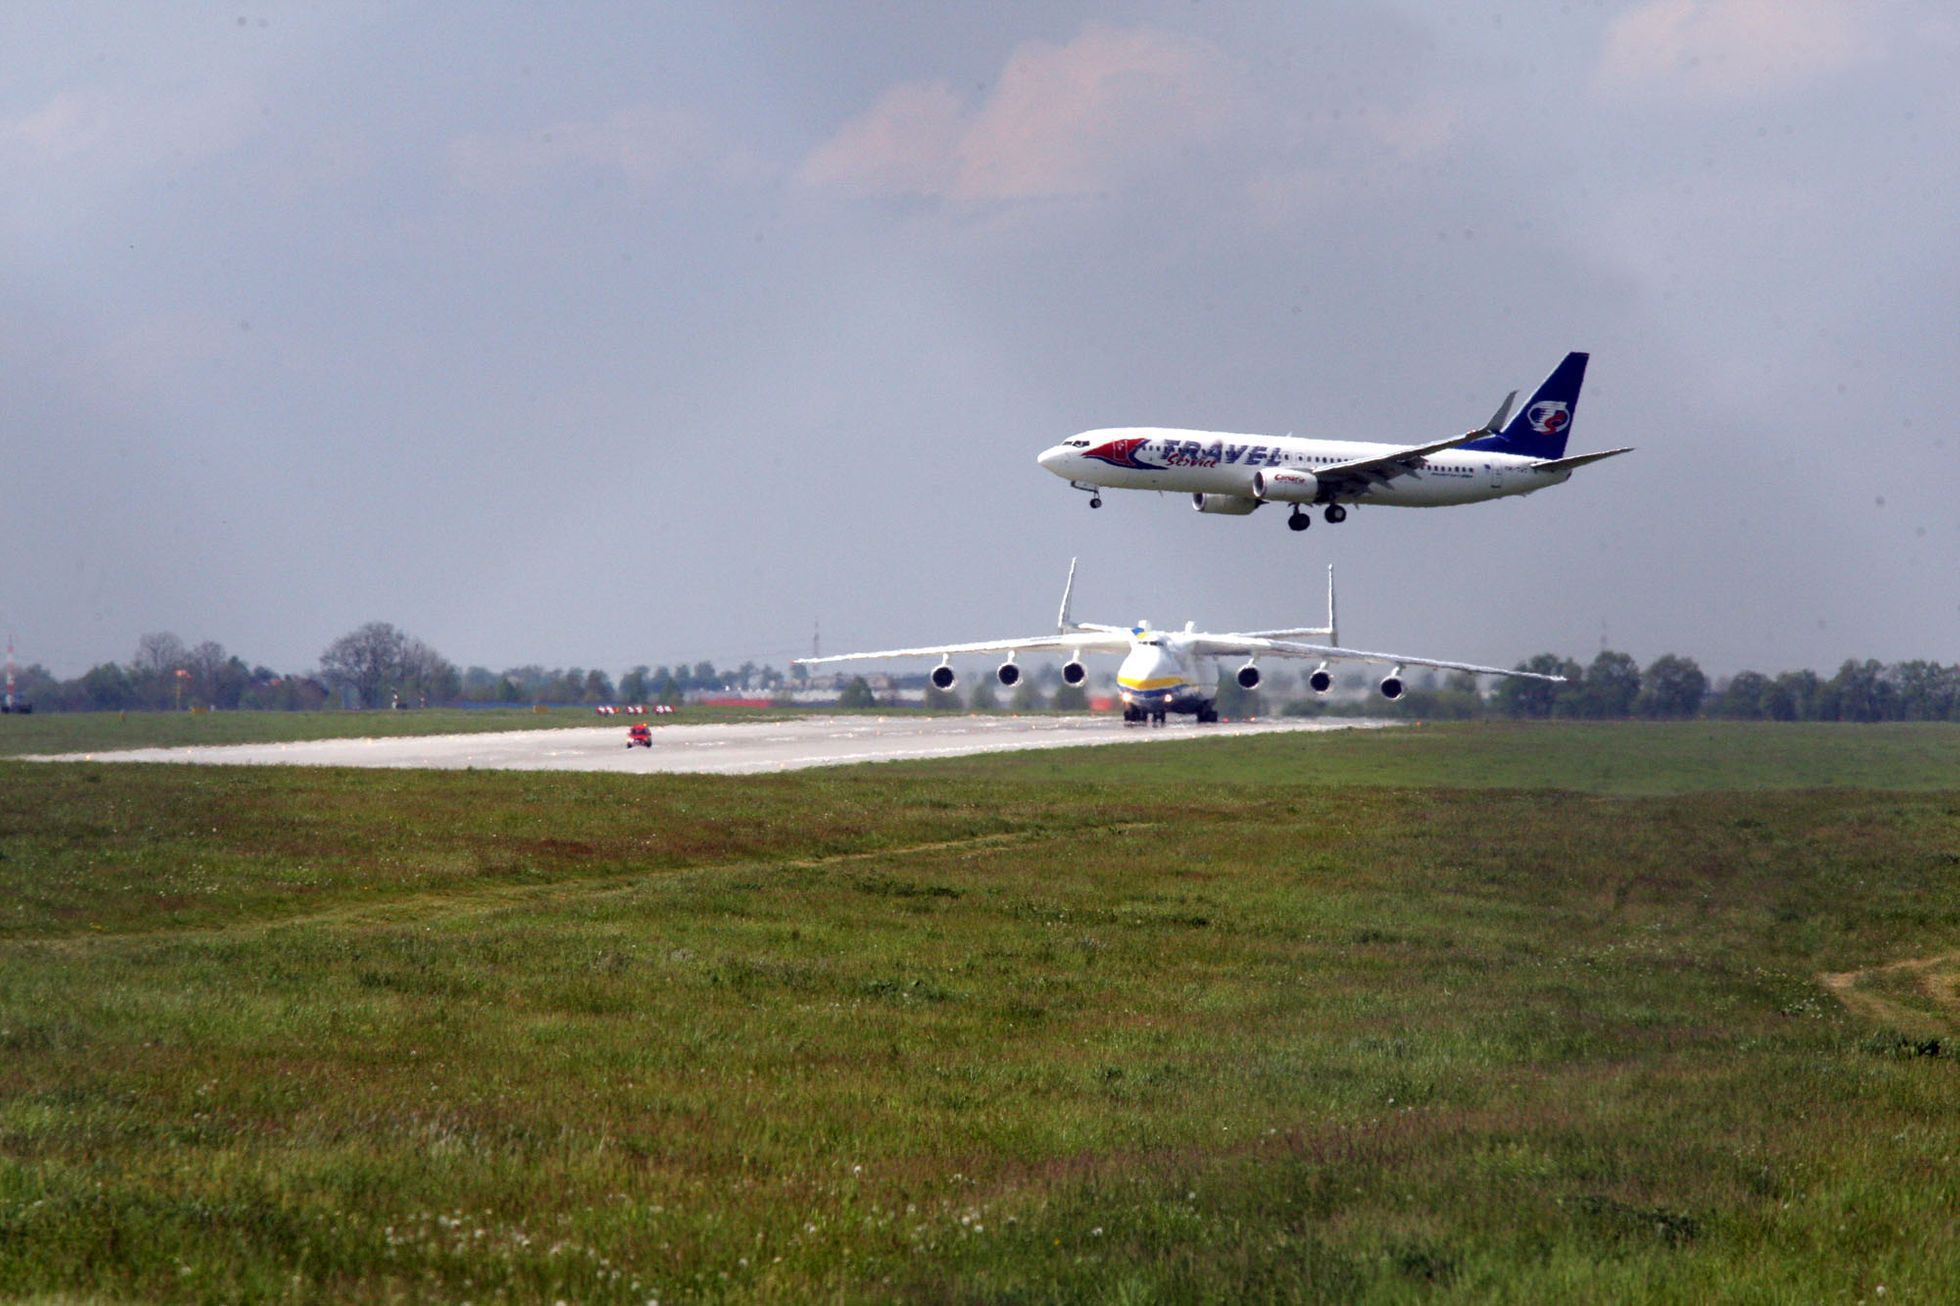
[944, 677]
[1392, 685]
[1249, 676]
[1232, 505]
[1320, 680]
[1074, 672]
[1008, 673]
[1285, 485]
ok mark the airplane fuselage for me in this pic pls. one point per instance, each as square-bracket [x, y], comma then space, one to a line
[1158, 675]
[1172, 671]
[1220, 463]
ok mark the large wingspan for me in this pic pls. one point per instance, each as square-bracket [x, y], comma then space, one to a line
[1254, 646]
[1077, 642]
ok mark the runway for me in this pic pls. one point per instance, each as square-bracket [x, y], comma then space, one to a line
[722, 749]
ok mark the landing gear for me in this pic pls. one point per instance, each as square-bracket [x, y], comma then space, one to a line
[1207, 716]
[1093, 491]
[1095, 501]
[1299, 521]
[1335, 514]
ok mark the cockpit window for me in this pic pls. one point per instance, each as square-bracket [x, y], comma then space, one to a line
[1076, 444]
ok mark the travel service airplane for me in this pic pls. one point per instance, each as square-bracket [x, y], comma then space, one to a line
[1173, 670]
[1234, 474]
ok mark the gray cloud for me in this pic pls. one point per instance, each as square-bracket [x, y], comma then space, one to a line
[603, 336]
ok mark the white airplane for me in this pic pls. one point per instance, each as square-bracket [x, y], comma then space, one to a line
[1166, 671]
[1235, 474]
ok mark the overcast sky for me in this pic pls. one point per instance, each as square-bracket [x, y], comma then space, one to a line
[610, 334]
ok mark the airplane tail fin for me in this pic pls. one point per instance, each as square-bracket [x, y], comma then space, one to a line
[1333, 631]
[1541, 428]
[1063, 625]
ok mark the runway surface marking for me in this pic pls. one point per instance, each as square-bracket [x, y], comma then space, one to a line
[733, 748]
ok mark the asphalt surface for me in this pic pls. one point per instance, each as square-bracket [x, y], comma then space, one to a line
[725, 749]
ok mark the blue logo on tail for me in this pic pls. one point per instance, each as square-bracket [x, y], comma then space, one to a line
[1542, 426]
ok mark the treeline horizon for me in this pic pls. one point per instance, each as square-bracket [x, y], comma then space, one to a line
[379, 666]
[1672, 687]
[375, 666]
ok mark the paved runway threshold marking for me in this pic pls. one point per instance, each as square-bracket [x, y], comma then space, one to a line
[738, 748]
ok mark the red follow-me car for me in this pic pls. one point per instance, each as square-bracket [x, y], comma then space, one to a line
[640, 736]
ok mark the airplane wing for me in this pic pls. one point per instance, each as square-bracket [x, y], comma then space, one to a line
[1567, 464]
[1254, 646]
[1087, 641]
[1361, 473]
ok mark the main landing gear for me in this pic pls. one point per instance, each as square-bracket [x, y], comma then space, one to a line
[1301, 518]
[1155, 716]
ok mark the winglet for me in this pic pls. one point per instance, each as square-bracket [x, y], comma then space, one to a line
[1498, 418]
[1062, 623]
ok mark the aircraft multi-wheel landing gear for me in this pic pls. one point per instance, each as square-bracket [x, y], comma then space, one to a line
[1301, 518]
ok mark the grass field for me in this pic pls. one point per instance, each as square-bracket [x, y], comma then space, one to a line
[96, 732]
[1494, 1013]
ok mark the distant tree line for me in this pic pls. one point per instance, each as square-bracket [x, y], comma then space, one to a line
[375, 666]
[1614, 687]
[381, 666]
[167, 674]
[641, 684]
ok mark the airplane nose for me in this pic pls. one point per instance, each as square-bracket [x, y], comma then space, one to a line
[1053, 457]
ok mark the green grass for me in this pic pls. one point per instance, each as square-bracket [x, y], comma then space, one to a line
[1314, 1018]
[1593, 757]
[96, 732]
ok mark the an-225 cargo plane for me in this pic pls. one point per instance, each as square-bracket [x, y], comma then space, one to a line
[1166, 671]
[1234, 474]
